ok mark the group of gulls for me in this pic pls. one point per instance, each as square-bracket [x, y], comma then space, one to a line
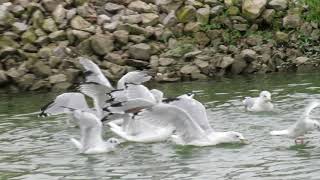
[137, 114]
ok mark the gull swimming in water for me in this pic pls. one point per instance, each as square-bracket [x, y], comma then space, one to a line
[188, 131]
[91, 140]
[130, 101]
[259, 104]
[302, 126]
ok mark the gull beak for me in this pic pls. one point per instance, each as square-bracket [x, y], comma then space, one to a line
[244, 141]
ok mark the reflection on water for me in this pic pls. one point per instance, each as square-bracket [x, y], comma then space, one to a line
[36, 148]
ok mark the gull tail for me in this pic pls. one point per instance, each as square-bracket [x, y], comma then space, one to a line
[279, 133]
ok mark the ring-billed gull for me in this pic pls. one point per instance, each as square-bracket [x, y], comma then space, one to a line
[302, 126]
[91, 140]
[258, 104]
[188, 131]
[129, 102]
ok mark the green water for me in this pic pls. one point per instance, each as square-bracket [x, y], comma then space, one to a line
[36, 148]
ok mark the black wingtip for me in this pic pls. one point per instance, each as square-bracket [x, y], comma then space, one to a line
[106, 109]
[118, 104]
[106, 118]
[46, 106]
[168, 100]
[126, 84]
[110, 100]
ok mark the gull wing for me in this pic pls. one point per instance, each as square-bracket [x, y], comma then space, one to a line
[93, 73]
[196, 110]
[168, 116]
[134, 77]
[71, 100]
[91, 129]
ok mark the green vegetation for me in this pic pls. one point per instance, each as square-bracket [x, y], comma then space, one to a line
[313, 13]
[183, 46]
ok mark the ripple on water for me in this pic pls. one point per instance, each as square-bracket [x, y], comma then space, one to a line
[39, 148]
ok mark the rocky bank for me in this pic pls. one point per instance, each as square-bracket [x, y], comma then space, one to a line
[174, 39]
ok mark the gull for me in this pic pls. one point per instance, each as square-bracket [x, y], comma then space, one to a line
[183, 114]
[96, 85]
[131, 101]
[188, 131]
[259, 104]
[194, 108]
[302, 126]
[91, 140]
[73, 100]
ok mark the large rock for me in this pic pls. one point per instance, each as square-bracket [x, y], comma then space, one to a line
[292, 21]
[113, 8]
[102, 18]
[170, 19]
[80, 35]
[19, 27]
[201, 38]
[110, 27]
[50, 5]
[225, 62]
[49, 25]
[140, 6]
[29, 37]
[102, 44]
[132, 19]
[301, 60]
[37, 19]
[54, 79]
[186, 14]
[248, 55]
[41, 69]
[3, 78]
[79, 23]
[278, 4]
[115, 58]
[238, 66]
[253, 8]
[282, 37]
[166, 61]
[121, 36]
[192, 27]
[6, 41]
[150, 19]
[41, 84]
[268, 15]
[59, 14]
[140, 51]
[58, 36]
[189, 69]
[203, 15]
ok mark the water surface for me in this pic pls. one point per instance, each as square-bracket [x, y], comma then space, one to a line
[37, 148]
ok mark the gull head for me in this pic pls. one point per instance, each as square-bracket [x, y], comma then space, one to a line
[232, 136]
[157, 94]
[266, 96]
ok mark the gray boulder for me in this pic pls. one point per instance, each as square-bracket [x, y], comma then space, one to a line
[140, 51]
[102, 44]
